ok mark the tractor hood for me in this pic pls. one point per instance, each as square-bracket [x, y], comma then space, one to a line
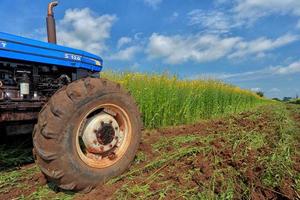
[24, 49]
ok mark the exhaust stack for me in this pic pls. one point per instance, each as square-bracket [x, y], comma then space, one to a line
[51, 29]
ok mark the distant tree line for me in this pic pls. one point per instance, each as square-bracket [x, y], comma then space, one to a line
[295, 100]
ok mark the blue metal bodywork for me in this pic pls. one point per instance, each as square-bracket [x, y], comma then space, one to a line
[23, 49]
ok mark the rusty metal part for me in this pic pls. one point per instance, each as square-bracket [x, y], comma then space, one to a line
[105, 134]
[19, 110]
[18, 116]
[10, 92]
[99, 134]
[51, 5]
[18, 128]
[50, 20]
[104, 151]
[112, 156]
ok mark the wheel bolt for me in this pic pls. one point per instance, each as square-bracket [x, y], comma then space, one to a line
[112, 156]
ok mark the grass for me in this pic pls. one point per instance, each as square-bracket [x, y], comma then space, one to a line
[16, 152]
[21, 181]
[15, 179]
[267, 137]
[295, 101]
[166, 100]
[270, 142]
[45, 192]
[265, 154]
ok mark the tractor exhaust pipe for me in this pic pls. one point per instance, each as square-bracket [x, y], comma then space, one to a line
[51, 29]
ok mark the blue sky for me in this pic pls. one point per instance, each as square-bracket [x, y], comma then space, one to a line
[250, 43]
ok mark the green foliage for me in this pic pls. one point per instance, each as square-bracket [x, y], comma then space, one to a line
[140, 157]
[279, 161]
[44, 192]
[166, 101]
[15, 154]
[269, 143]
[15, 178]
[260, 93]
[295, 101]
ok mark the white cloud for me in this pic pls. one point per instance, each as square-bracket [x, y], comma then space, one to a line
[274, 90]
[203, 48]
[292, 68]
[138, 36]
[254, 9]
[261, 45]
[212, 21]
[221, 1]
[126, 54]
[257, 89]
[153, 3]
[82, 29]
[199, 48]
[175, 14]
[123, 41]
[242, 13]
[173, 17]
[246, 12]
[134, 66]
[298, 25]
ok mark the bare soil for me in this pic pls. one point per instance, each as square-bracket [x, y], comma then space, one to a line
[228, 158]
[204, 165]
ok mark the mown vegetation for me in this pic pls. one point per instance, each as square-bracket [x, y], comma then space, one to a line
[295, 101]
[251, 155]
[249, 149]
[166, 100]
[15, 152]
[25, 184]
[255, 158]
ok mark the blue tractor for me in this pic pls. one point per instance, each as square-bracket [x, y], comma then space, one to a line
[86, 129]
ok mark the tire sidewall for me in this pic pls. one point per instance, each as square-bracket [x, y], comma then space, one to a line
[71, 157]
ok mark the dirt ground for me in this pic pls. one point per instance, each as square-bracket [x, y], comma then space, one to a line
[253, 155]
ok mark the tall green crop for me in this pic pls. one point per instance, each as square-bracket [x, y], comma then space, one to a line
[166, 100]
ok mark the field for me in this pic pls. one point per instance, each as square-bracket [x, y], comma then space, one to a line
[167, 101]
[233, 145]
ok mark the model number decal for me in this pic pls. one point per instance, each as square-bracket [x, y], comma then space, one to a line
[72, 57]
[3, 44]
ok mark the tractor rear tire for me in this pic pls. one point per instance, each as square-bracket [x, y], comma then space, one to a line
[66, 120]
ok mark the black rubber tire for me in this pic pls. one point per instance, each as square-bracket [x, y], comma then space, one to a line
[53, 135]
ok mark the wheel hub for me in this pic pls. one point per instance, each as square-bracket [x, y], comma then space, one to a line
[106, 134]
[101, 134]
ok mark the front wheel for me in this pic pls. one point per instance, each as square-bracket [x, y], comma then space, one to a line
[87, 133]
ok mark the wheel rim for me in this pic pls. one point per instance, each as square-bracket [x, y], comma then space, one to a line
[103, 136]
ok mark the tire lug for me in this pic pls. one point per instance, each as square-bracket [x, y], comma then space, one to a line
[101, 148]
